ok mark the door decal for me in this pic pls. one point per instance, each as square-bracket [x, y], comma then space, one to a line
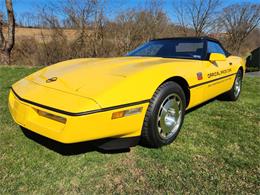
[218, 73]
[199, 76]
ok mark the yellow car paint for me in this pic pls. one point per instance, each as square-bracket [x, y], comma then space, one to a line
[97, 87]
[214, 57]
[76, 128]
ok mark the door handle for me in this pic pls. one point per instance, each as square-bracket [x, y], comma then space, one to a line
[230, 63]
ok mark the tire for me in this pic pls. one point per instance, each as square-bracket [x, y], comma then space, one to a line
[164, 116]
[235, 91]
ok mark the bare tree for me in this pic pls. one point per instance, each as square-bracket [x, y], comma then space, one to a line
[181, 15]
[124, 33]
[137, 25]
[98, 27]
[7, 44]
[238, 21]
[79, 12]
[199, 15]
[87, 16]
[26, 19]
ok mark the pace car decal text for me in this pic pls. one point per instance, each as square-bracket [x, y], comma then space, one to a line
[218, 73]
[219, 82]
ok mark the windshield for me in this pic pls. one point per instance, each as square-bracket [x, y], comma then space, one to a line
[172, 48]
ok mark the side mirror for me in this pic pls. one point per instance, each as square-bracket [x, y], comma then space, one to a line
[216, 57]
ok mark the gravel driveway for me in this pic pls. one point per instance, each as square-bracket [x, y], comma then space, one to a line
[253, 74]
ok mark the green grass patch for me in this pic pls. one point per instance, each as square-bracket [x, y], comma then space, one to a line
[217, 151]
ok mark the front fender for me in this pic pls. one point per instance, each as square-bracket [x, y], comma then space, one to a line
[137, 87]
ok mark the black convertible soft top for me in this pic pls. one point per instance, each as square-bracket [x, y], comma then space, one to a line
[187, 38]
[203, 38]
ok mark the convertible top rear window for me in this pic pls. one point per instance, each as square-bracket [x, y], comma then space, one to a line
[174, 48]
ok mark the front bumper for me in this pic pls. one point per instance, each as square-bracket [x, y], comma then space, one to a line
[73, 129]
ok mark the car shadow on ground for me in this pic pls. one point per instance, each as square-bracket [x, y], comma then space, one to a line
[70, 149]
[89, 146]
[203, 104]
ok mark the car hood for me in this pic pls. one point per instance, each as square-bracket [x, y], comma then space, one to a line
[90, 76]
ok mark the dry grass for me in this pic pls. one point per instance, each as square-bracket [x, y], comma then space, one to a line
[38, 33]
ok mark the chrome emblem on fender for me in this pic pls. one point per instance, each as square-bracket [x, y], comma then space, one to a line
[51, 79]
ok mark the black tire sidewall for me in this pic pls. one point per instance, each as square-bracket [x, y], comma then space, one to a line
[165, 91]
[233, 97]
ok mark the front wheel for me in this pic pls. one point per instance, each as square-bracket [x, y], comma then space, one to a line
[164, 116]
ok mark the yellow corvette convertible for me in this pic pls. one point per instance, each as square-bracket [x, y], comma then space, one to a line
[142, 96]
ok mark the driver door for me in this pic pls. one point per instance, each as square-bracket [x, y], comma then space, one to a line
[217, 71]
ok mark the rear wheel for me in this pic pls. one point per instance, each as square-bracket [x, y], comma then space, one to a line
[164, 116]
[234, 93]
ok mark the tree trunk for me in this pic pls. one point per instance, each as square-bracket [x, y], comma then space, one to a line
[7, 44]
[4, 57]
